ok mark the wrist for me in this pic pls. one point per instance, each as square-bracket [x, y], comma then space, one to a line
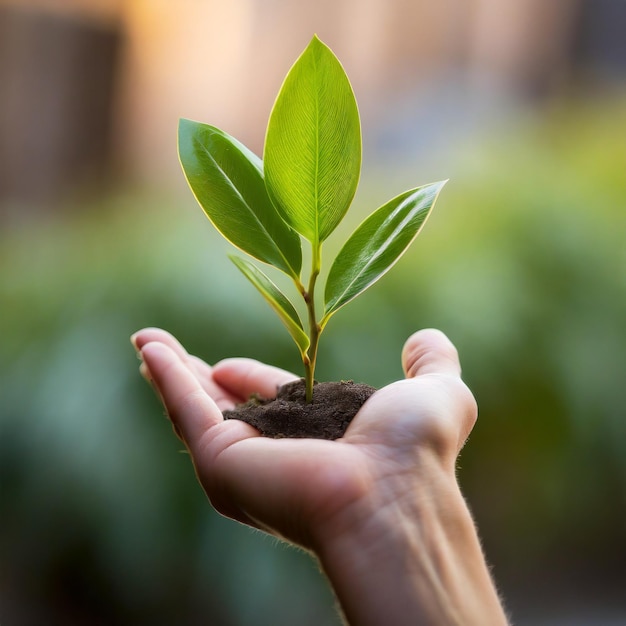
[409, 553]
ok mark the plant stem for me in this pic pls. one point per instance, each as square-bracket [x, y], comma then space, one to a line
[311, 356]
[314, 328]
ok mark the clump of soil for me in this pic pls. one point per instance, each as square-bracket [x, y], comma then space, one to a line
[327, 416]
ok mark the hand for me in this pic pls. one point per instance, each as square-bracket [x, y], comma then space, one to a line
[291, 487]
[393, 472]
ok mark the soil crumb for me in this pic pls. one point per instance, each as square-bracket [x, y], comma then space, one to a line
[328, 416]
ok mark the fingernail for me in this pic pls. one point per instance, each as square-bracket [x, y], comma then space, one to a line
[133, 341]
[144, 371]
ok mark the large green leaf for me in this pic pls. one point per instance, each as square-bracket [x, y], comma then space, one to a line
[312, 151]
[276, 299]
[227, 180]
[377, 244]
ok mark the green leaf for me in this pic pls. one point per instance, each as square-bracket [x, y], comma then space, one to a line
[313, 145]
[276, 299]
[377, 244]
[227, 180]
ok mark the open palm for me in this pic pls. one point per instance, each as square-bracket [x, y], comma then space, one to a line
[300, 488]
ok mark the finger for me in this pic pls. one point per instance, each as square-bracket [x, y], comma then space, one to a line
[148, 335]
[204, 373]
[188, 405]
[193, 415]
[243, 377]
[429, 351]
[202, 370]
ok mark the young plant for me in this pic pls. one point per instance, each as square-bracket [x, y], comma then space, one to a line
[301, 191]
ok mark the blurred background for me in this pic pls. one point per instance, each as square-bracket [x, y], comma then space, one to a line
[521, 104]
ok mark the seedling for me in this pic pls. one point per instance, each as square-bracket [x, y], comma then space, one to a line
[301, 192]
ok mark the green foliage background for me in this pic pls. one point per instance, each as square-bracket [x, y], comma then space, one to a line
[523, 264]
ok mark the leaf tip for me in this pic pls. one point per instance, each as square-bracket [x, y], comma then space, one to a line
[183, 123]
[185, 130]
[316, 44]
[439, 186]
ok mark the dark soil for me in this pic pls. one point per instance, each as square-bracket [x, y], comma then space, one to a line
[288, 415]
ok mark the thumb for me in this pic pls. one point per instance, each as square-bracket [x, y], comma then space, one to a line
[429, 351]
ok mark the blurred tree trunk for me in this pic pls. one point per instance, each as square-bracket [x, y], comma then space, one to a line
[57, 77]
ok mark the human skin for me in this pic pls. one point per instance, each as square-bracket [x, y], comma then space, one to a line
[380, 508]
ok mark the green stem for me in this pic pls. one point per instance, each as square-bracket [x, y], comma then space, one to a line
[314, 328]
[311, 356]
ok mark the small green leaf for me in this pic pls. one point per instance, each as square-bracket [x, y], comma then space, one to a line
[227, 180]
[313, 145]
[377, 244]
[276, 299]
